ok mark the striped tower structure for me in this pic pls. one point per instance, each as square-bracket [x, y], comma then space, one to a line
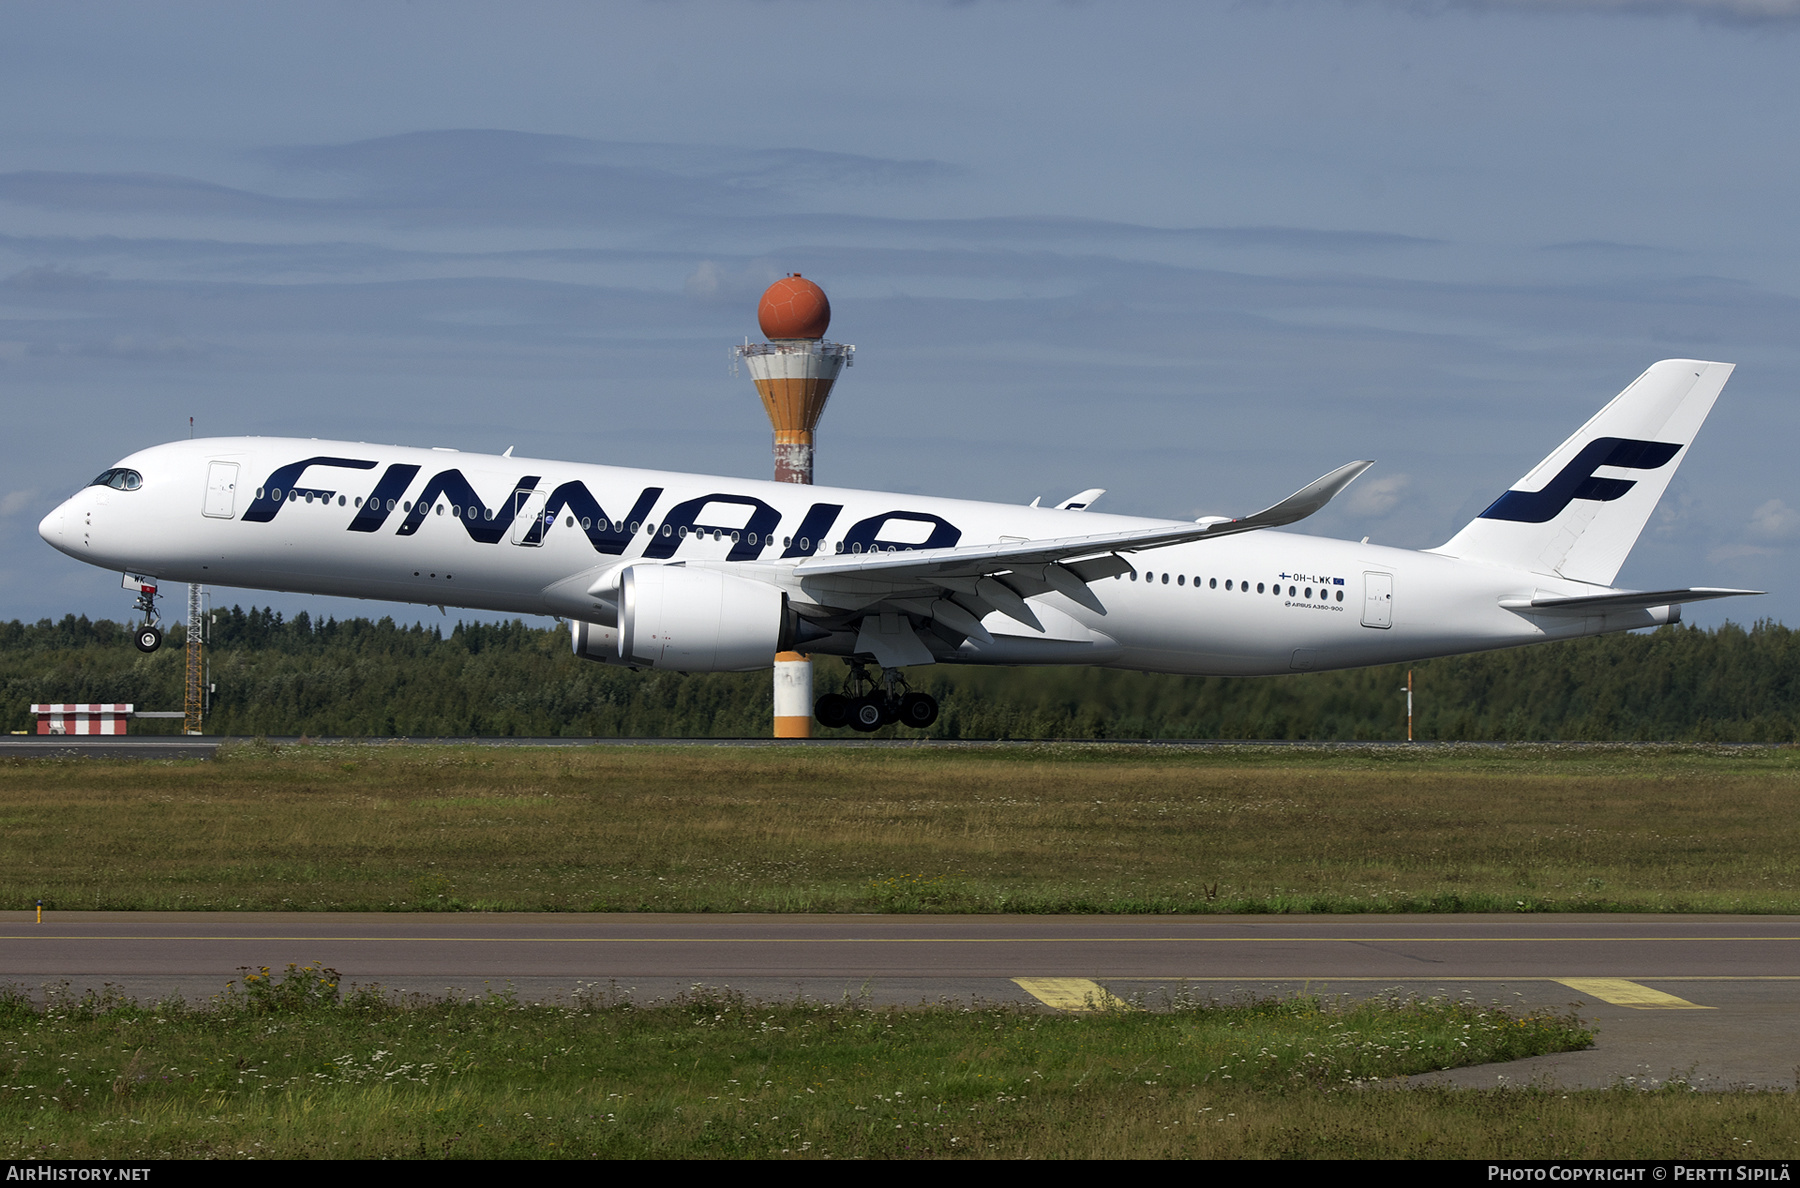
[794, 372]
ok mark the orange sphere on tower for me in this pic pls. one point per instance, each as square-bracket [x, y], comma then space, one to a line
[793, 307]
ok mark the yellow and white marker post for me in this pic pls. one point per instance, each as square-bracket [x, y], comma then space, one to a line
[793, 695]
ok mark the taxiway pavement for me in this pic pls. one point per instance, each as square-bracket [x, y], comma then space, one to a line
[1714, 1000]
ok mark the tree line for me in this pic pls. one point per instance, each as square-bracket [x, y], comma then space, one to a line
[277, 676]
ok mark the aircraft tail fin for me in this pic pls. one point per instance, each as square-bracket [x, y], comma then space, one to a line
[1579, 511]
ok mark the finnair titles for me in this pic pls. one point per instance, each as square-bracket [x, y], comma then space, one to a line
[703, 574]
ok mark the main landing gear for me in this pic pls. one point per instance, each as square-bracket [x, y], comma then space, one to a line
[870, 706]
[148, 636]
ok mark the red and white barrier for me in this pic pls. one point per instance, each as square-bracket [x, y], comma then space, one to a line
[82, 718]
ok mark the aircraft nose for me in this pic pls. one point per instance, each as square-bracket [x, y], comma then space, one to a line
[52, 528]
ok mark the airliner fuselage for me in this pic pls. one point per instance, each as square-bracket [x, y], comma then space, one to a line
[535, 537]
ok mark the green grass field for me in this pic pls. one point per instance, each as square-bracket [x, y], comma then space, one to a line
[290, 1066]
[1051, 828]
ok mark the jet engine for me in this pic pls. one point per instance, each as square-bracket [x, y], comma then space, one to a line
[700, 620]
[595, 641]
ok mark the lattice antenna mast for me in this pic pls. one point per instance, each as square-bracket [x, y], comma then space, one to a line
[192, 709]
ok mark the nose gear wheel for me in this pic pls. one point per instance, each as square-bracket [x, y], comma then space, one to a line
[148, 637]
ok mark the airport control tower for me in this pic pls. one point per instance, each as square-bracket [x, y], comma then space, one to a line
[794, 372]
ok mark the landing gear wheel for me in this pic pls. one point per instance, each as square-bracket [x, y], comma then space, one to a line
[148, 639]
[866, 715]
[832, 710]
[918, 710]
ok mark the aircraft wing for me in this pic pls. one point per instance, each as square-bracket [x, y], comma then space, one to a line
[925, 566]
[1587, 604]
[959, 587]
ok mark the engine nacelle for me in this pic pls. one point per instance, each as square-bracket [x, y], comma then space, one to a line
[699, 620]
[595, 641]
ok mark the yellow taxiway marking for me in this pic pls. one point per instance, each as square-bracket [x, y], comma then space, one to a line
[1624, 992]
[1326, 980]
[1071, 994]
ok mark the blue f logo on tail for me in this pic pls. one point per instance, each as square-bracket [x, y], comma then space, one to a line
[1577, 481]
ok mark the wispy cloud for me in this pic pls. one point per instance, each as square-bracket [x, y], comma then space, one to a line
[1746, 11]
[1376, 496]
[1775, 521]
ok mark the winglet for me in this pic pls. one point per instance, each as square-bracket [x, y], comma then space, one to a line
[1082, 501]
[1301, 503]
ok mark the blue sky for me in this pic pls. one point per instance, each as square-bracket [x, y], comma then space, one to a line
[1196, 254]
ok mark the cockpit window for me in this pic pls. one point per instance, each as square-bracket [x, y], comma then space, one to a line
[119, 479]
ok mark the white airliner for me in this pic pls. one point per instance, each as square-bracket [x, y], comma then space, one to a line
[706, 574]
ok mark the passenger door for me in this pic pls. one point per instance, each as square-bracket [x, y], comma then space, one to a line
[221, 490]
[1378, 600]
[528, 521]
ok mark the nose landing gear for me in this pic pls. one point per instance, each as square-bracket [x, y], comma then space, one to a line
[148, 635]
[869, 706]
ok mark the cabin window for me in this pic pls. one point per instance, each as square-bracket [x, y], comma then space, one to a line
[1228, 583]
[1340, 595]
[1165, 579]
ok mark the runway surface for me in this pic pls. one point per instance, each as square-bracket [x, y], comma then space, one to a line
[206, 747]
[1712, 999]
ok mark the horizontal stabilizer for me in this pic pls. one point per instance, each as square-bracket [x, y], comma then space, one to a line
[1592, 604]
